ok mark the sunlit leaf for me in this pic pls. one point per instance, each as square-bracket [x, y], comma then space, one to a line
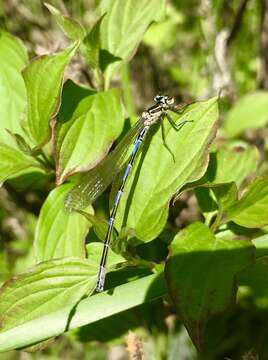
[92, 44]
[13, 163]
[87, 124]
[87, 311]
[252, 209]
[46, 288]
[250, 112]
[156, 177]
[72, 28]
[233, 162]
[58, 233]
[43, 79]
[13, 58]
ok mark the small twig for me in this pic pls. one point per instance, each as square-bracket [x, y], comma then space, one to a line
[223, 79]
[237, 23]
[263, 69]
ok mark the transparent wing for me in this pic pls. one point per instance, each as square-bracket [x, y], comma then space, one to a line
[95, 181]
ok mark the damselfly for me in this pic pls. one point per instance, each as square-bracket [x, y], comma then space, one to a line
[94, 182]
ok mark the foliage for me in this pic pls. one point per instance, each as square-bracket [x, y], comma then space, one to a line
[191, 230]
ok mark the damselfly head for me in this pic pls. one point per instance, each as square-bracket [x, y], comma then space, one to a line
[164, 100]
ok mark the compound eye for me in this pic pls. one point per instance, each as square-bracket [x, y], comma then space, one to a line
[170, 100]
[157, 98]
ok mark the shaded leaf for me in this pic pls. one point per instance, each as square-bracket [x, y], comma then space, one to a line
[252, 209]
[4, 265]
[201, 275]
[250, 112]
[100, 226]
[72, 28]
[58, 233]
[13, 58]
[43, 79]
[213, 197]
[261, 244]
[92, 44]
[233, 162]
[255, 278]
[44, 289]
[87, 125]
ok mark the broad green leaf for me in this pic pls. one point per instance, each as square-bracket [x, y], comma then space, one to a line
[233, 162]
[87, 311]
[212, 196]
[124, 25]
[201, 272]
[255, 278]
[87, 125]
[252, 209]
[250, 112]
[58, 233]
[21, 143]
[13, 58]
[72, 28]
[226, 195]
[92, 44]
[44, 289]
[155, 177]
[13, 163]
[94, 251]
[163, 35]
[43, 79]
[100, 226]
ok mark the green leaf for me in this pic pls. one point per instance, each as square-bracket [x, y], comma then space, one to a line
[72, 28]
[100, 226]
[226, 195]
[44, 289]
[88, 311]
[233, 162]
[201, 275]
[92, 44]
[163, 35]
[123, 27]
[13, 58]
[87, 125]
[255, 278]
[155, 177]
[58, 233]
[43, 79]
[21, 143]
[14, 163]
[261, 244]
[213, 196]
[250, 112]
[252, 209]
[4, 265]
[94, 250]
